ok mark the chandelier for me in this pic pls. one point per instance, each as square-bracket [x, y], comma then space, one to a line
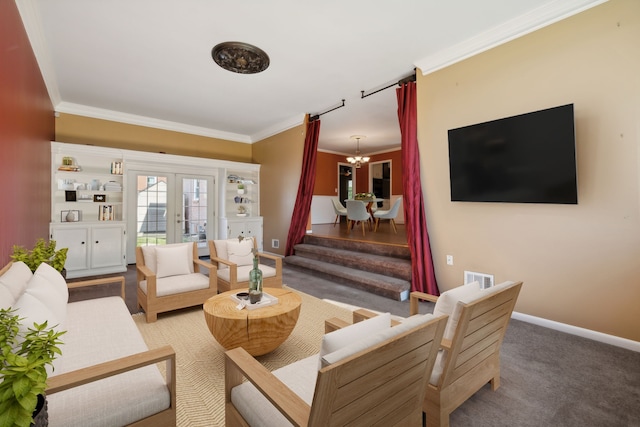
[358, 159]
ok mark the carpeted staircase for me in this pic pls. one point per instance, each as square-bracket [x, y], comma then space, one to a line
[382, 269]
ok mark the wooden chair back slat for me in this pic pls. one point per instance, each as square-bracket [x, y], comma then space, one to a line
[375, 382]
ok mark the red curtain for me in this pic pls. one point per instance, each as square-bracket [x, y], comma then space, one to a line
[301, 209]
[423, 276]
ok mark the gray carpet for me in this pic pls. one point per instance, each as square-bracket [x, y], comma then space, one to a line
[548, 378]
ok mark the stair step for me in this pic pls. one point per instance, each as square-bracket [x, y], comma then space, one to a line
[389, 266]
[378, 284]
[390, 250]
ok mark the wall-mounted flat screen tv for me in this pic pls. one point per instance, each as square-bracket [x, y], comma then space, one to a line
[529, 158]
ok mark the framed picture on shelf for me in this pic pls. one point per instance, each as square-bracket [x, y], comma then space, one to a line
[71, 216]
[70, 196]
[99, 198]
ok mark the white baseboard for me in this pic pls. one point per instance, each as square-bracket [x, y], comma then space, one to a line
[581, 332]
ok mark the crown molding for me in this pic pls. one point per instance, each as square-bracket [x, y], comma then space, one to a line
[279, 128]
[529, 22]
[132, 119]
[33, 26]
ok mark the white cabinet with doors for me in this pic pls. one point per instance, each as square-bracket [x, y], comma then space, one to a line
[93, 248]
[247, 227]
[88, 208]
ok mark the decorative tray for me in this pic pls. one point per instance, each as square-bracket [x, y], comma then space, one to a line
[266, 301]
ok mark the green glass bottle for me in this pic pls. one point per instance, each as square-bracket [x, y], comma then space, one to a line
[255, 283]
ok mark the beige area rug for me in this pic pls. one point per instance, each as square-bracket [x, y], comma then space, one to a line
[200, 359]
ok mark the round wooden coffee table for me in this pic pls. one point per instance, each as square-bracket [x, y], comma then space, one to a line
[258, 331]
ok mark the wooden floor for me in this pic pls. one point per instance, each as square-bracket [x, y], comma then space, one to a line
[384, 234]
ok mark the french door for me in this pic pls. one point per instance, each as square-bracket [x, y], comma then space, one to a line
[170, 208]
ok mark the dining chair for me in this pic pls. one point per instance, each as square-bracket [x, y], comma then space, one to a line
[339, 210]
[356, 211]
[388, 214]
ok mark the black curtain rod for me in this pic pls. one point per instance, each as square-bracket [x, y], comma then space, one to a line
[411, 78]
[317, 116]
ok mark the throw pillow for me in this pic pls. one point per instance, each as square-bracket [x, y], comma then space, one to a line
[221, 252]
[15, 279]
[55, 280]
[340, 338]
[50, 290]
[6, 298]
[32, 310]
[447, 301]
[149, 255]
[172, 260]
[380, 335]
[240, 253]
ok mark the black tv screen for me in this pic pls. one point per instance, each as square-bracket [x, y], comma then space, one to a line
[529, 158]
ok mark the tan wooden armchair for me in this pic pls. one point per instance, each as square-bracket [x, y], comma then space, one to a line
[371, 374]
[470, 355]
[169, 278]
[234, 259]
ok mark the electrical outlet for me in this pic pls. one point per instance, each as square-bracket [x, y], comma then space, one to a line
[449, 259]
[275, 243]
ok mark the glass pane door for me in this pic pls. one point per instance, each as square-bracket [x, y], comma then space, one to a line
[151, 210]
[195, 213]
[170, 208]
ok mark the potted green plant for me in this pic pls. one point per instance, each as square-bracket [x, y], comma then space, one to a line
[23, 362]
[42, 252]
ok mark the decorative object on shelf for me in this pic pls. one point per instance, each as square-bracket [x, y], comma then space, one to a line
[241, 188]
[70, 196]
[41, 252]
[358, 159]
[99, 198]
[112, 186]
[71, 216]
[239, 57]
[24, 358]
[95, 184]
[116, 168]
[242, 211]
[106, 213]
[68, 165]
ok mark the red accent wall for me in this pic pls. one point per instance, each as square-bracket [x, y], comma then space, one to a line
[27, 126]
[327, 173]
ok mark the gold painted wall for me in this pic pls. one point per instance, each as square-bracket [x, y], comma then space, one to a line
[280, 157]
[580, 263]
[85, 130]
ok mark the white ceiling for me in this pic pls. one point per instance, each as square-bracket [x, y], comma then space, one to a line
[149, 62]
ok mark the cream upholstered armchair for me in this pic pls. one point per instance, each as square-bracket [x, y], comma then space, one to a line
[169, 278]
[368, 373]
[234, 258]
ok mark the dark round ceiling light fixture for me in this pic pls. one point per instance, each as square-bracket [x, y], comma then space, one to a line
[240, 57]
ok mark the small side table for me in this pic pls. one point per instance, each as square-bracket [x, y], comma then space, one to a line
[258, 331]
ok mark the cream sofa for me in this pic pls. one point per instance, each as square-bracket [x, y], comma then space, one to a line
[106, 376]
